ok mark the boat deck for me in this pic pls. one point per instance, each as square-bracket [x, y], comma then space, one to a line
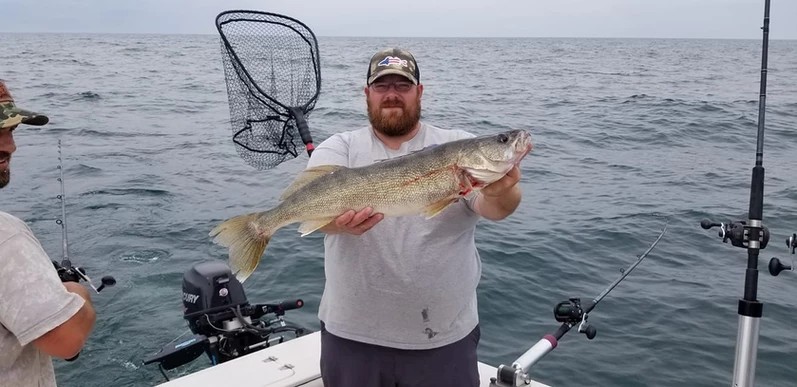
[290, 364]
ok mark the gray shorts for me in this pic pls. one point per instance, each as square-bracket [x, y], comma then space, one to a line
[347, 363]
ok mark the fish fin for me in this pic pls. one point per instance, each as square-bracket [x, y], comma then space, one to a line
[245, 240]
[483, 177]
[307, 176]
[435, 208]
[309, 226]
[426, 148]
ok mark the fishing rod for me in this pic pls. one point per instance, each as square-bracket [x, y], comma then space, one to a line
[570, 313]
[753, 236]
[66, 271]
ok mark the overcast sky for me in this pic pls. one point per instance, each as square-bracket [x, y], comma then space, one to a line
[419, 18]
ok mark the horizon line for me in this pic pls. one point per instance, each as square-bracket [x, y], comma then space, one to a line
[396, 37]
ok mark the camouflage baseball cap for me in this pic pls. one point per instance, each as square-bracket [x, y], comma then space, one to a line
[11, 115]
[393, 61]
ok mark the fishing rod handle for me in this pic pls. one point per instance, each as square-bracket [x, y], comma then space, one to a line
[535, 353]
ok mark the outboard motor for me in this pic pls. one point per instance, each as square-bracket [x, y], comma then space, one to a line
[224, 324]
[208, 289]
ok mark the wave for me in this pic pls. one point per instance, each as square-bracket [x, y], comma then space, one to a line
[146, 192]
[67, 61]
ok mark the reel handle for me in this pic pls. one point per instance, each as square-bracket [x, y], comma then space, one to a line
[707, 224]
[69, 273]
[775, 267]
[106, 281]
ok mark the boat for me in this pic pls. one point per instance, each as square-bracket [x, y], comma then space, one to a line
[247, 346]
[253, 345]
[292, 363]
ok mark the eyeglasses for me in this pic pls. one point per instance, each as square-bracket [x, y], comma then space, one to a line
[383, 87]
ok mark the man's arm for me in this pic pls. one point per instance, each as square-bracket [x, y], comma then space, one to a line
[499, 199]
[67, 339]
[36, 306]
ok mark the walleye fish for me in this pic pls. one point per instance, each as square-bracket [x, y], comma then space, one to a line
[422, 182]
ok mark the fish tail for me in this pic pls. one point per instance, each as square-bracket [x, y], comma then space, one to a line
[246, 239]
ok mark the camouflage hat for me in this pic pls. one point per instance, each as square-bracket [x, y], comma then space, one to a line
[393, 61]
[11, 115]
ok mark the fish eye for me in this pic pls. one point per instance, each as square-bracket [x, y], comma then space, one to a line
[503, 138]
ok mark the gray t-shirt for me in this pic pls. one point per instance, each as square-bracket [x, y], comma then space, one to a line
[33, 301]
[408, 282]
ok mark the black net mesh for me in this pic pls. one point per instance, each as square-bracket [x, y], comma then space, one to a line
[271, 65]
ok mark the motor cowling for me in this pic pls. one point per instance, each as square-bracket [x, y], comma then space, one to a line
[209, 288]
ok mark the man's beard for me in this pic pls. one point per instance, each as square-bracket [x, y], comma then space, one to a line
[394, 123]
[5, 177]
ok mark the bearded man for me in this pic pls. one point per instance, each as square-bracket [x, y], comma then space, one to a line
[399, 303]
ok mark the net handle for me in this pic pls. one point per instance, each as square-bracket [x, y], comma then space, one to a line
[304, 130]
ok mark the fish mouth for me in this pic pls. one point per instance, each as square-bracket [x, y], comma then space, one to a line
[522, 148]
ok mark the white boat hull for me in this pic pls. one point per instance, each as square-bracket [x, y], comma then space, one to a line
[292, 363]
